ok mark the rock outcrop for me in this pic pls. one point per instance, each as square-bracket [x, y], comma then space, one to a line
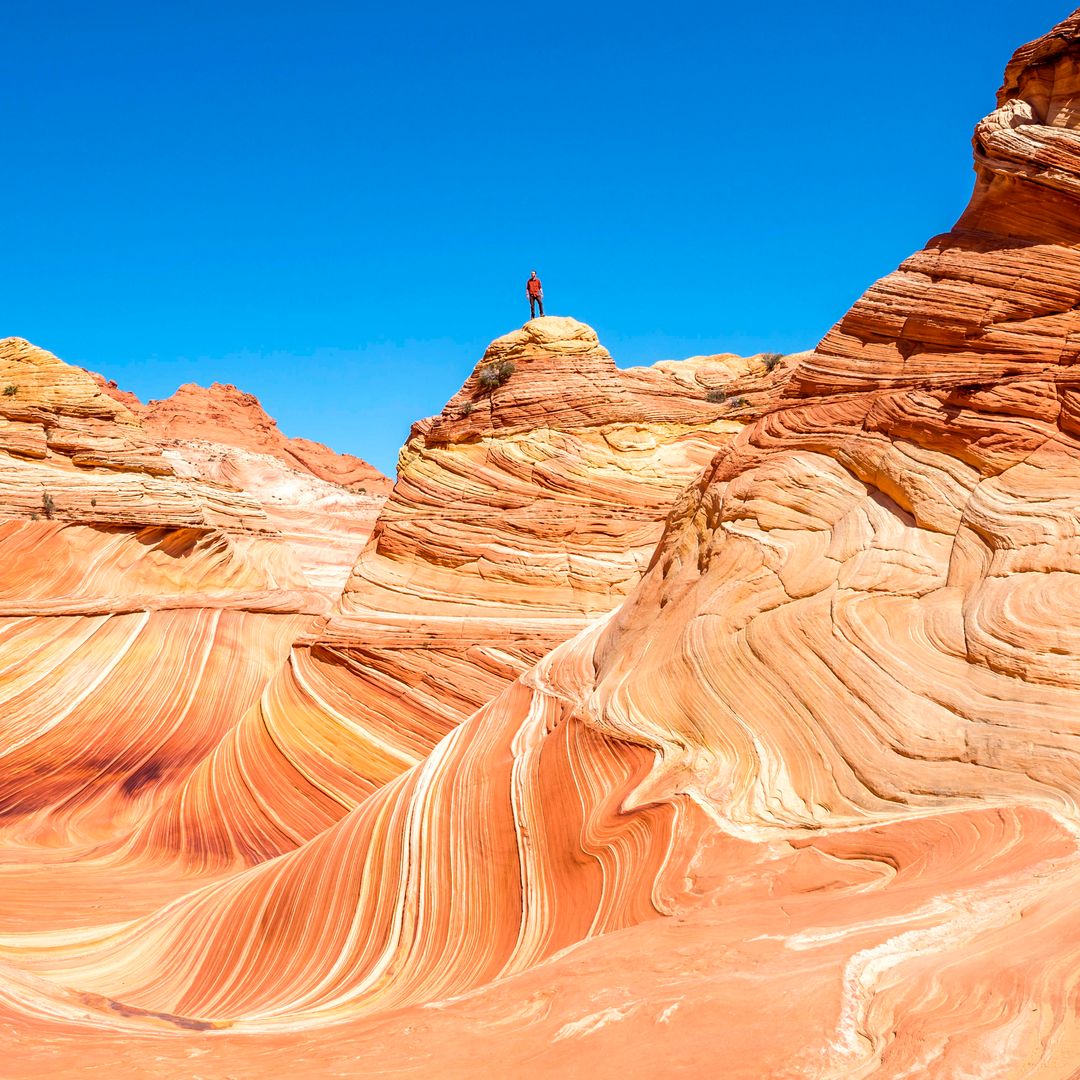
[323, 504]
[505, 537]
[794, 794]
[149, 590]
[512, 526]
[502, 542]
[225, 415]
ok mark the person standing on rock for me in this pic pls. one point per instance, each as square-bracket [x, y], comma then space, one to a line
[535, 292]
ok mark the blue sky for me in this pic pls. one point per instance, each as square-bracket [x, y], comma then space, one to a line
[335, 206]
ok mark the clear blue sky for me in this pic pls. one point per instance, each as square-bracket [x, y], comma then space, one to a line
[336, 205]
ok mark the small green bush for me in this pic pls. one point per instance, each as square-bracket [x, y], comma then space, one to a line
[716, 397]
[771, 359]
[494, 375]
[10, 390]
[48, 507]
[738, 402]
[468, 408]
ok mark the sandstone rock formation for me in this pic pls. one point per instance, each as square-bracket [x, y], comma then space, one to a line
[512, 525]
[800, 801]
[148, 592]
[135, 816]
[223, 414]
[324, 504]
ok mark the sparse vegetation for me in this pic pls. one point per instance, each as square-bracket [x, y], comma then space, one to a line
[495, 375]
[738, 402]
[771, 359]
[716, 397]
[10, 390]
[468, 408]
[48, 506]
[93, 502]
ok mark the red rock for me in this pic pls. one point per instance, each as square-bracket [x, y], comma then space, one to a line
[223, 414]
[499, 541]
[772, 774]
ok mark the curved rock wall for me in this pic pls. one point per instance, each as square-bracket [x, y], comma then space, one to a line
[149, 589]
[803, 804]
[519, 515]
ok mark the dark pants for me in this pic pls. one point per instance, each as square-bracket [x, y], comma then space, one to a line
[533, 301]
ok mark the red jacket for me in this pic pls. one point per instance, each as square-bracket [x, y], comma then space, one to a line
[533, 286]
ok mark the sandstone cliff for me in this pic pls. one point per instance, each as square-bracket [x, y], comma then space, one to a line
[149, 590]
[510, 528]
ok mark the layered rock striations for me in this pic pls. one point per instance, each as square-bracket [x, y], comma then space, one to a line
[504, 536]
[797, 798]
[148, 593]
[520, 513]
[359, 698]
[224, 415]
[323, 504]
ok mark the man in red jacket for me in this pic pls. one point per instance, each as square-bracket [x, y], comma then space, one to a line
[535, 292]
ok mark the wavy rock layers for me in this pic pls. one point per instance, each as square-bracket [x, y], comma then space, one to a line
[322, 504]
[75, 455]
[523, 512]
[191, 782]
[323, 525]
[520, 514]
[147, 595]
[860, 627]
[832, 734]
[388, 911]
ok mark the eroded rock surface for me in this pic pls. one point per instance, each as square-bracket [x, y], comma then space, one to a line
[800, 801]
[149, 590]
[511, 527]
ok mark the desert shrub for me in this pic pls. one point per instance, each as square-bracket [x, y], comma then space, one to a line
[771, 359]
[48, 507]
[468, 408]
[494, 375]
[716, 397]
[10, 390]
[738, 402]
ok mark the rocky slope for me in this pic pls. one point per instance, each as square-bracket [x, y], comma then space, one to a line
[800, 802]
[223, 414]
[107, 816]
[512, 525]
[336, 708]
[148, 592]
[324, 504]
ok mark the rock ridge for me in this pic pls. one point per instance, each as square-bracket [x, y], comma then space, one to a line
[224, 414]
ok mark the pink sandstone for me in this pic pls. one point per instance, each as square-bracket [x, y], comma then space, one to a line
[645, 739]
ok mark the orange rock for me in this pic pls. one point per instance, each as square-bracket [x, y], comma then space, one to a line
[500, 541]
[617, 761]
[222, 414]
[148, 592]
